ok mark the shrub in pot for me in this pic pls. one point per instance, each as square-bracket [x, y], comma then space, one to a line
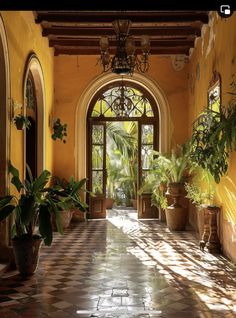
[71, 190]
[169, 172]
[31, 212]
[201, 192]
[22, 122]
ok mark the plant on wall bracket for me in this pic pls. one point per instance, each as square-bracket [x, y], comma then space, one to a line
[59, 130]
[22, 122]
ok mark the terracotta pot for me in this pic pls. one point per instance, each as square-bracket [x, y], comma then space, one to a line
[66, 216]
[78, 216]
[176, 218]
[134, 203]
[26, 253]
[109, 203]
[176, 214]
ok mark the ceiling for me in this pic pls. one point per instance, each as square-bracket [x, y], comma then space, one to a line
[79, 32]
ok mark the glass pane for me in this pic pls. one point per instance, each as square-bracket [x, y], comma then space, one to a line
[30, 93]
[149, 111]
[145, 174]
[97, 178]
[214, 98]
[147, 134]
[97, 157]
[122, 101]
[97, 135]
[146, 156]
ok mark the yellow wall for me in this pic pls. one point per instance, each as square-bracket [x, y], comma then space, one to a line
[25, 37]
[73, 74]
[216, 51]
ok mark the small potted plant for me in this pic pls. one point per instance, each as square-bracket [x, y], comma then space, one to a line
[22, 122]
[71, 190]
[59, 130]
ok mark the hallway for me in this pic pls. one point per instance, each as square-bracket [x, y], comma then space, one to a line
[122, 267]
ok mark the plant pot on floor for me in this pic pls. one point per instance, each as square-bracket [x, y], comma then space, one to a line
[26, 253]
[109, 203]
[176, 214]
[134, 203]
[65, 216]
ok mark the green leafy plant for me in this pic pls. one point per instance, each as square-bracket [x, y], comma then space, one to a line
[169, 168]
[22, 122]
[59, 130]
[33, 206]
[201, 190]
[209, 143]
[71, 190]
[214, 137]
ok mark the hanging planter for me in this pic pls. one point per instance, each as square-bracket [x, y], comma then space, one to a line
[22, 122]
[59, 130]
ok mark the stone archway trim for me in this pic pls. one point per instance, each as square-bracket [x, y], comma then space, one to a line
[5, 141]
[33, 65]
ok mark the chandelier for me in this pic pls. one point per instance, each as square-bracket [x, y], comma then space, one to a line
[125, 60]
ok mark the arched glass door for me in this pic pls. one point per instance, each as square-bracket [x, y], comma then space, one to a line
[121, 101]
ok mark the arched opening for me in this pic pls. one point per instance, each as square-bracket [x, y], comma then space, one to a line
[4, 128]
[152, 87]
[34, 101]
[31, 133]
[123, 131]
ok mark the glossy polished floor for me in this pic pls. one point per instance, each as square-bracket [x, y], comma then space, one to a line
[121, 267]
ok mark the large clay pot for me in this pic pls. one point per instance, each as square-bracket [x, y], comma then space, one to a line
[65, 216]
[26, 253]
[134, 203]
[109, 203]
[176, 214]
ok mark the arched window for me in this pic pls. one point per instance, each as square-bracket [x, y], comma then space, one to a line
[31, 101]
[214, 93]
[31, 133]
[122, 101]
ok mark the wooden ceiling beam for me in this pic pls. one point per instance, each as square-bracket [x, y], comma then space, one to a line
[112, 44]
[109, 16]
[154, 31]
[95, 51]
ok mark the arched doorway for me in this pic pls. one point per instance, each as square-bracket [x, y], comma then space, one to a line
[4, 129]
[34, 101]
[120, 101]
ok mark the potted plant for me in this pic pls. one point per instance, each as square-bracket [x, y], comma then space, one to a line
[201, 192]
[166, 178]
[22, 122]
[70, 189]
[59, 130]
[31, 209]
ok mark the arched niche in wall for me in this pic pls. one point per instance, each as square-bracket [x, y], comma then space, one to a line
[34, 102]
[4, 127]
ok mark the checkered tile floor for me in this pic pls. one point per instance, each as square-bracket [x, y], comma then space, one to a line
[122, 268]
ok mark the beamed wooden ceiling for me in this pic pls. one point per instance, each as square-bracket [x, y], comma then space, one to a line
[79, 32]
